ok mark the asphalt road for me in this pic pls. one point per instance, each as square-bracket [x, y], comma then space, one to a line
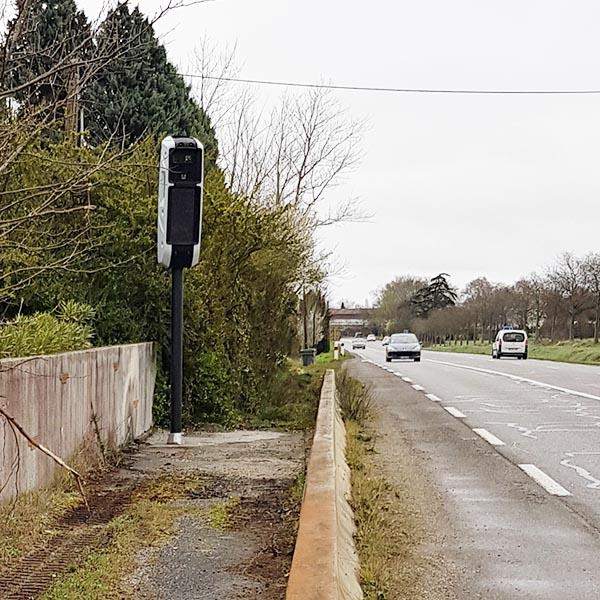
[485, 528]
[544, 417]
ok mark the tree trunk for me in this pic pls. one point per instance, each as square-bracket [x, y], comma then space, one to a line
[304, 320]
[596, 319]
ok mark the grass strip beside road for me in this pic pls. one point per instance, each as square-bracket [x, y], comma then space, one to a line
[583, 352]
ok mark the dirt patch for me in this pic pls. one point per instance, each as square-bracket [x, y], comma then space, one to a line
[246, 556]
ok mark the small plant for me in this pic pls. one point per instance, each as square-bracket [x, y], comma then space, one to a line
[355, 398]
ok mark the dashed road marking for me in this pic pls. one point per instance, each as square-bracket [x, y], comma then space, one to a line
[419, 388]
[407, 379]
[454, 412]
[433, 397]
[551, 486]
[397, 374]
[488, 437]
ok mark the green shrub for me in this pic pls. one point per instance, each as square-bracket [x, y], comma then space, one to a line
[43, 333]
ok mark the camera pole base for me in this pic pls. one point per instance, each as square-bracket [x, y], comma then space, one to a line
[175, 439]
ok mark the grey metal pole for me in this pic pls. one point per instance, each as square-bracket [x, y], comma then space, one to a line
[175, 437]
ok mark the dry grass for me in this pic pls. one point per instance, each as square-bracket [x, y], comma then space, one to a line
[148, 521]
[30, 519]
[355, 398]
[389, 530]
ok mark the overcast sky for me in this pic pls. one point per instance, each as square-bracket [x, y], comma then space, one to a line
[470, 185]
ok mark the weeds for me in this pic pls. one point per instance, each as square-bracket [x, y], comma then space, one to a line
[220, 514]
[369, 500]
[355, 398]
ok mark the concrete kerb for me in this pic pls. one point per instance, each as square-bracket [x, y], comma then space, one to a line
[325, 564]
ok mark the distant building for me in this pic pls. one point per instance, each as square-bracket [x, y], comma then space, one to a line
[348, 321]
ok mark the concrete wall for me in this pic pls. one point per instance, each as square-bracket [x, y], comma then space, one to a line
[56, 398]
[325, 564]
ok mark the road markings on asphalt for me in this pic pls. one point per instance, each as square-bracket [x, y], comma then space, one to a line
[397, 374]
[407, 379]
[419, 388]
[488, 437]
[551, 486]
[433, 397]
[593, 482]
[454, 412]
[518, 379]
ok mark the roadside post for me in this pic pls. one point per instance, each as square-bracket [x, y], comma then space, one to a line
[180, 190]
[336, 350]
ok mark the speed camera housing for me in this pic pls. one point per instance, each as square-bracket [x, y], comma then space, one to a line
[180, 191]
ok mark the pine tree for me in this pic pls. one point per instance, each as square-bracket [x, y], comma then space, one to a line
[138, 92]
[53, 36]
[437, 294]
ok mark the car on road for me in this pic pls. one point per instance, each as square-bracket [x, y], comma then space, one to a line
[359, 342]
[510, 342]
[403, 345]
[371, 337]
[385, 341]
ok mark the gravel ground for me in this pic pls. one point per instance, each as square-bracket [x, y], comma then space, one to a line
[250, 557]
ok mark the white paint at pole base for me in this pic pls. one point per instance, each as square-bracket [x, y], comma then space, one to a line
[175, 439]
[336, 354]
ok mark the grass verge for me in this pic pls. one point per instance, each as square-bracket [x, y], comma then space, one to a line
[147, 521]
[30, 519]
[294, 396]
[577, 351]
[369, 506]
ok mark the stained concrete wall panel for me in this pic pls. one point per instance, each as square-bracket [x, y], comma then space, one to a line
[52, 398]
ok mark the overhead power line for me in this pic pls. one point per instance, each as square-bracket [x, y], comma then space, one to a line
[363, 88]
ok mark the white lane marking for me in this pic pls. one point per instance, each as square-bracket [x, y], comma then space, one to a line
[551, 486]
[519, 379]
[419, 388]
[398, 374]
[433, 397]
[407, 379]
[488, 437]
[594, 482]
[454, 412]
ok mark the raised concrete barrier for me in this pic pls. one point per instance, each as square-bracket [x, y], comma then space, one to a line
[325, 564]
[69, 402]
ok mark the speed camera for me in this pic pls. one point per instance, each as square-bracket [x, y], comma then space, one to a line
[180, 202]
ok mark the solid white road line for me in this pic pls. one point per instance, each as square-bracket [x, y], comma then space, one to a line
[407, 379]
[433, 398]
[551, 486]
[518, 378]
[419, 388]
[454, 412]
[488, 437]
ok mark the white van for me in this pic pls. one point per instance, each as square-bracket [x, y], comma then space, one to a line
[510, 342]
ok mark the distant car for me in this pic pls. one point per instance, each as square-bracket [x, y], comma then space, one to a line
[403, 345]
[359, 343]
[510, 342]
[386, 340]
[371, 337]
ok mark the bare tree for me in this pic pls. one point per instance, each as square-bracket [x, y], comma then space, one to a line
[567, 278]
[591, 273]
